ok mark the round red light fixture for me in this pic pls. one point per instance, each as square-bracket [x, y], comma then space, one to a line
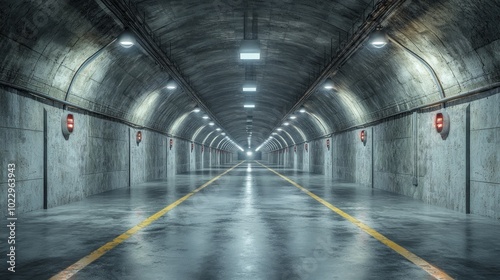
[67, 124]
[138, 137]
[363, 135]
[442, 124]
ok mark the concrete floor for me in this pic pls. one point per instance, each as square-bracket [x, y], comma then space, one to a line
[252, 224]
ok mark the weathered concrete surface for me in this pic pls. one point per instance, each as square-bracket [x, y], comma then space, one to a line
[95, 158]
[149, 157]
[318, 157]
[393, 156]
[485, 156]
[352, 160]
[441, 162]
[21, 143]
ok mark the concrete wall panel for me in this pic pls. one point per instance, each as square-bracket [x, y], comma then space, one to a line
[351, 159]
[485, 156]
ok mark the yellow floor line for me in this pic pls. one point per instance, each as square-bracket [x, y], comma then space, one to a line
[85, 261]
[429, 268]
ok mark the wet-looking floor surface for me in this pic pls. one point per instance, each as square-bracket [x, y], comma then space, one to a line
[252, 224]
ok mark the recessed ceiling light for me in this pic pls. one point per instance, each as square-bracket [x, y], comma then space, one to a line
[171, 85]
[250, 49]
[249, 86]
[211, 123]
[249, 106]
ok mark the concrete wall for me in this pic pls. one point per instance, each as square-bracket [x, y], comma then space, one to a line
[485, 156]
[318, 150]
[21, 143]
[100, 154]
[93, 159]
[406, 155]
[182, 155]
[352, 158]
[149, 157]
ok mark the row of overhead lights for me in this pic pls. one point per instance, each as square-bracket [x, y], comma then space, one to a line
[127, 40]
[249, 50]
[378, 39]
[218, 129]
[302, 110]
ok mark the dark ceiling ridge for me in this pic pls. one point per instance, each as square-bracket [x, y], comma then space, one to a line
[382, 11]
[130, 19]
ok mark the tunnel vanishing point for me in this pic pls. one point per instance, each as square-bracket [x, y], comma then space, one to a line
[241, 139]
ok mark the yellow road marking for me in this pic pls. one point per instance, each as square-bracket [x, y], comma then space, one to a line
[429, 268]
[82, 263]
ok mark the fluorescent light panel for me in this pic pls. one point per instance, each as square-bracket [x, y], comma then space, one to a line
[250, 49]
[248, 56]
[249, 106]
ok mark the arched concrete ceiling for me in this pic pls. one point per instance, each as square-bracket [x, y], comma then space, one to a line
[44, 42]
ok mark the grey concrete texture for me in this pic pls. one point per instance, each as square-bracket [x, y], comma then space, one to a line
[92, 160]
[452, 36]
[21, 143]
[44, 42]
[149, 157]
[351, 159]
[244, 226]
[485, 156]
[441, 165]
[95, 157]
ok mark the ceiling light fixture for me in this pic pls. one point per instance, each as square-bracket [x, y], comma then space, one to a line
[171, 85]
[293, 117]
[328, 84]
[205, 117]
[249, 106]
[196, 109]
[126, 39]
[302, 109]
[378, 39]
[249, 86]
[250, 50]
[211, 123]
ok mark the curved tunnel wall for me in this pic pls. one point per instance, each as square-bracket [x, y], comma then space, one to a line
[45, 42]
[403, 153]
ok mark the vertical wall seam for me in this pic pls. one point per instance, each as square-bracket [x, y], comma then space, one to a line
[45, 140]
[467, 159]
[415, 148]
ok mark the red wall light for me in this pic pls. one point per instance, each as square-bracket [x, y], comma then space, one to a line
[67, 124]
[363, 136]
[439, 122]
[442, 124]
[138, 137]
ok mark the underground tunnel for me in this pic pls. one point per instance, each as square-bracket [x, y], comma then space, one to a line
[241, 139]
